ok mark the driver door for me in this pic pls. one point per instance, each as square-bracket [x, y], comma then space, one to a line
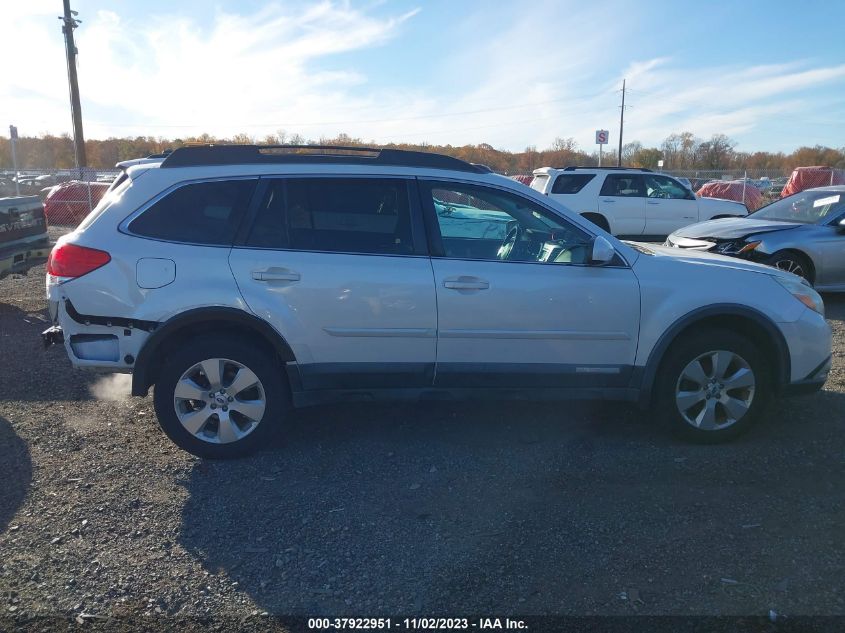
[669, 206]
[518, 304]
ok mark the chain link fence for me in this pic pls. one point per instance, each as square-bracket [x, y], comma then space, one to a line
[68, 194]
[756, 187]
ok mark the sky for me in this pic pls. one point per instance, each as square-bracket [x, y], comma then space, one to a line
[771, 75]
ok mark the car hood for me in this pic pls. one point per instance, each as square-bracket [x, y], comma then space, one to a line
[695, 257]
[733, 228]
[722, 204]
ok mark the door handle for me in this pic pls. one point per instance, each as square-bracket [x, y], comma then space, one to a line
[466, 283]
[606, 200]
[652, 202]
[277, 274]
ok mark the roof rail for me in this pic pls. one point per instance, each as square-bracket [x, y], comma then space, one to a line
[196, 155]
[574, 167]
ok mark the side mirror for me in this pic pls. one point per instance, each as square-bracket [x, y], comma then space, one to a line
[840, 226]
[602, 252]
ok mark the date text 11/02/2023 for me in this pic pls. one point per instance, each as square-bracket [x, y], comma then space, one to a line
[416, 623]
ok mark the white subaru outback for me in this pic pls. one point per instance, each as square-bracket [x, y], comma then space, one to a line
[631, 203]
[241, 280]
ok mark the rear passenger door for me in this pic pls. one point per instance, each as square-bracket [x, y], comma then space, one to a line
[622, 202]
[336, 265]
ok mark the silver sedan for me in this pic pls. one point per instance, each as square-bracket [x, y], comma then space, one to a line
[803, 234]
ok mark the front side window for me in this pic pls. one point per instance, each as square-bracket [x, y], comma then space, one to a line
[571, 183]
[342, 215]
[198, 213]
[481, 223]
[665, 187]
[623, 186]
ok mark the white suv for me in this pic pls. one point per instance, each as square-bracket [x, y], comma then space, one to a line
[631, 203]
[239, 280]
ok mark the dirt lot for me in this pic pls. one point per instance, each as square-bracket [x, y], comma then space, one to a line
[385, 510]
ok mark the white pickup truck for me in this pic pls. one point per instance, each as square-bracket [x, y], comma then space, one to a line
[23, 231]
[631, 203]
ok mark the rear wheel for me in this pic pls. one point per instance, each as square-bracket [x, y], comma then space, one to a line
[712, 386]
[793, 262]
[219, 397]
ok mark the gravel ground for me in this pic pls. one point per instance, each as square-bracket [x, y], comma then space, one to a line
[439, 508]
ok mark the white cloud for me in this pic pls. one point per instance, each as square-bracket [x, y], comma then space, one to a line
[729, 100]
[510, 77]
[167, 75]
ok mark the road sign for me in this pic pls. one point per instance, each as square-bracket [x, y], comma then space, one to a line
[601, 137]
[660, 163]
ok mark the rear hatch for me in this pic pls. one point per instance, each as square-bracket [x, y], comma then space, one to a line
[23, 231]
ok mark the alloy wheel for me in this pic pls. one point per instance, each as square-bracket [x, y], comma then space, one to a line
[791, 266]
[219, 400]
[715, 390]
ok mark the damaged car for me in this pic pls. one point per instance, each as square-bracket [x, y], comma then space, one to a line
[803, 234]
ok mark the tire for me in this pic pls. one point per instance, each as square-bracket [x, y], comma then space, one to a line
[793, 262]
[248, 425]
[597, 219]
[674, 378]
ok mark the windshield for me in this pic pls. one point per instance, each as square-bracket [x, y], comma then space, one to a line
[805, 207]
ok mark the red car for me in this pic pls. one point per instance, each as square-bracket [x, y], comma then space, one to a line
[67, 204]
[810, 177]
[733, 190]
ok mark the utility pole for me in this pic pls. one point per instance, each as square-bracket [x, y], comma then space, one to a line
[69, 23]
[13, 137]
[621, 125]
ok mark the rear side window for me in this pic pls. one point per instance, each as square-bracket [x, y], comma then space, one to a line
[571, 183]
[539, 182]
[341, 215]
[623, 186]
[199, 213]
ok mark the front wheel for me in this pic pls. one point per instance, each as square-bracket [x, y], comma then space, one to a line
[712, 386]
[792, 262]
[220, 397]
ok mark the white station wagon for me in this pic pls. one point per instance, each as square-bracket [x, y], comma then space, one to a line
[240, 280]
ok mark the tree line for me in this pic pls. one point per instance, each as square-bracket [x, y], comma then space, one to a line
[679, 151]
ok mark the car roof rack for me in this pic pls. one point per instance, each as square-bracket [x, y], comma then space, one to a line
[574, 167]
[196, 155]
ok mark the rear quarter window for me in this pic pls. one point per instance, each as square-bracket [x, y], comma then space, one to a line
[539, 182]
[571, 183]
[198, 213]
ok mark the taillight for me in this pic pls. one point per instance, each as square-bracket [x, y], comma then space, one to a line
[70, 260]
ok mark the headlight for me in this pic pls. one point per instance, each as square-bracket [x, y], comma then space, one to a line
[737, 247]
[802, 291]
